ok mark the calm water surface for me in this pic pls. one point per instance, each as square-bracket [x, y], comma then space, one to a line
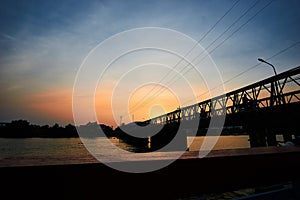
[14, 149]
[48, 151]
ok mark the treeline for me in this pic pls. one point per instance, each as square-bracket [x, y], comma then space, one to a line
[23, 129]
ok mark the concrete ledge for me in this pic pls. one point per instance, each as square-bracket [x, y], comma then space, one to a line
[222, 170]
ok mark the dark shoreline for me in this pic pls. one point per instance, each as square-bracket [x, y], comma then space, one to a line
[23, 129]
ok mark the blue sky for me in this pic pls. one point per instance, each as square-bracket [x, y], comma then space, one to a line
[43, 44]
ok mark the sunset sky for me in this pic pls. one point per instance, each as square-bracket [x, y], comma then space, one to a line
[44, 43]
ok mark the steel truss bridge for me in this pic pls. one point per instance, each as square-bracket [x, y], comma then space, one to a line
[279, 90]
[263, 109]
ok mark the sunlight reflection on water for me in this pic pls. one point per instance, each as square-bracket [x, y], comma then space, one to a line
[44, 149]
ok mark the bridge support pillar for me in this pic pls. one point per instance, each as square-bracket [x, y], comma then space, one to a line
[255, 128]
[257, 138]
[271, 137]
[169, 135]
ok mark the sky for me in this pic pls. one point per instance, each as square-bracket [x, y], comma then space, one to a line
[44, 43]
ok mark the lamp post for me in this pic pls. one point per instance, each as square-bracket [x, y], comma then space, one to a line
[275, 97]
[262, 60]
[274, 91]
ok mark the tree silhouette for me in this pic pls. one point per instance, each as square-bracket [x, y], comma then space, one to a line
[23, 129]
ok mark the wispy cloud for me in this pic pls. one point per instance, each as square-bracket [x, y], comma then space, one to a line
[6, 36]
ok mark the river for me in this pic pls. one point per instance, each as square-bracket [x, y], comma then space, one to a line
[14, 151]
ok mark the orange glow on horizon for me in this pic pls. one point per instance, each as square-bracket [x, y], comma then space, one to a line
[140, 106]
[55, 105]
[144, 105]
